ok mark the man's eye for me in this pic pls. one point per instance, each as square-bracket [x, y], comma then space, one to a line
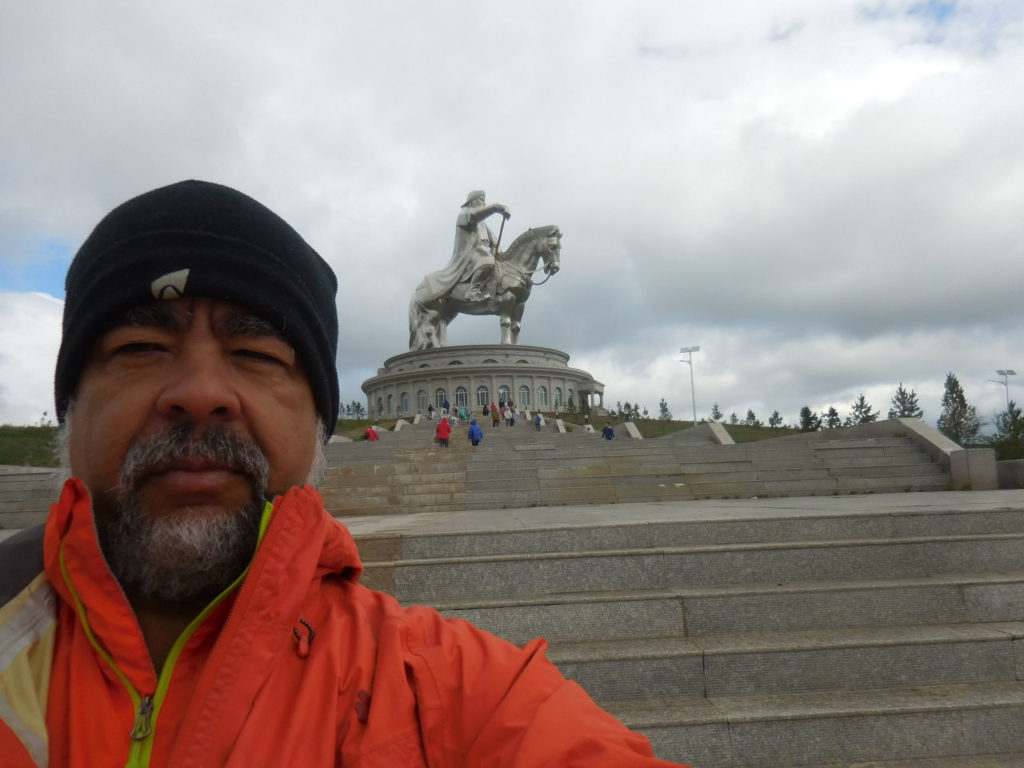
[255, 354]
[137, 348]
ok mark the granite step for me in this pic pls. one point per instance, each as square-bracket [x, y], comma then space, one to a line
[693, 612]
[708, 528]
[1004, 760]
[791, 662]
[669, 567]
[824, 728]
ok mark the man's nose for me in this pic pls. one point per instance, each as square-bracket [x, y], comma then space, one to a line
[199, 387]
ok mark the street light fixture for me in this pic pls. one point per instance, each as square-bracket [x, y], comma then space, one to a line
[688, 351]
[1005, 373]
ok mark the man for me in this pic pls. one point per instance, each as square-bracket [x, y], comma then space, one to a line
[608, 433]
[190, 601]
[475, 244]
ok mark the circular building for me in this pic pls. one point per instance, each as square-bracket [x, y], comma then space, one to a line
[471, 376]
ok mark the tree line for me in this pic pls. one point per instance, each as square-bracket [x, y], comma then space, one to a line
[959, 420]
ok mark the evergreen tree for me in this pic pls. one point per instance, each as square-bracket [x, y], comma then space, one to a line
[733, 418]
[832, 419]
[716, 413]
[958, 421]
[1008, 440]
[809, 420]
[751, 419]
[570, 407]
[904, 405]
[775, 420]
[860, 412]
[663, 412]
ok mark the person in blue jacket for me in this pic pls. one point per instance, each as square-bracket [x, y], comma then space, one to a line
[608, 433]
[475, 433]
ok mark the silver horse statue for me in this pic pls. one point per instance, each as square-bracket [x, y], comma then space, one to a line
[504, 294]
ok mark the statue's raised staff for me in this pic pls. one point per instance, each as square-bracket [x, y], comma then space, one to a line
[481, 279]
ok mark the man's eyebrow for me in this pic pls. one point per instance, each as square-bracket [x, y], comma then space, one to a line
[148, 316]
[244, 324]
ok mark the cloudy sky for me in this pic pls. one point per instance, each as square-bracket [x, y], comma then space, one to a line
[826, 196]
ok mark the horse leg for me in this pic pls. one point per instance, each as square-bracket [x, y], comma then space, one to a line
[506, 328]
[516, 321]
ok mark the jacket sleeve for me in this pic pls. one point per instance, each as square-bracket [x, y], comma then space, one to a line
[483, 701]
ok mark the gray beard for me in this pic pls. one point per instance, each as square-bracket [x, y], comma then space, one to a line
[181, 558]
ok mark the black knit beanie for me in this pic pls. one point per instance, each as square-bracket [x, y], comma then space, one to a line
[199, 239]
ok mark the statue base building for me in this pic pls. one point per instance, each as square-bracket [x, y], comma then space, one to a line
[471, 376]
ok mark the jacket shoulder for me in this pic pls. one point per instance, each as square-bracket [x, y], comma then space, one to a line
[22, 558]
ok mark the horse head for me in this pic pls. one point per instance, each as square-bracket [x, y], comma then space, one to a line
[551, 250]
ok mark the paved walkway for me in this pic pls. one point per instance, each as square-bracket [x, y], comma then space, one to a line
[645, 512]
[710, 509]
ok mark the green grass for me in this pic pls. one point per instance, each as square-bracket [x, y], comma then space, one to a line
[740, 433]
[28, 446]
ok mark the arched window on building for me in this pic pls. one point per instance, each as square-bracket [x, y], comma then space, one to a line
[404, 400]
[558, 398]
[577, 403]
[461, 398]
[504, 394]
[439, 397]
[391, 404]
[421, 401]
[542, 397]
[380, 407]
[524, 397]
[483, 396]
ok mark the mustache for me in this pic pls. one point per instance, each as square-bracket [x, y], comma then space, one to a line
[180, 444]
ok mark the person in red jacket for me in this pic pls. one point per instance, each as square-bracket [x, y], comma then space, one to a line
[371, 434]
[190, 602]
[444, 432]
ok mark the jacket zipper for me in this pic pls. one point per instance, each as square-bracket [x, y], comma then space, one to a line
[143, 719]
[147, 707]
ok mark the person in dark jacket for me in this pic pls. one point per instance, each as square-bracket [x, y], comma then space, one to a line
[475, 433]
[608, 433]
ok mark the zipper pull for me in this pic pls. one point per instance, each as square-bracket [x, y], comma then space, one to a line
[143, 720]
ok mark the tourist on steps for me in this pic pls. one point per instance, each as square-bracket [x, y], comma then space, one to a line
[475, 433]
[444, 432]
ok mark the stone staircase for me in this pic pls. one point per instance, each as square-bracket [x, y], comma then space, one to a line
[517, 467]
[850, 631]
[406, 472]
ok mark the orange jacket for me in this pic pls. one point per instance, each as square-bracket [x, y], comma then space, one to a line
[299, 665]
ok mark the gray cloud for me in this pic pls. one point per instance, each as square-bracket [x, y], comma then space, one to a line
[826, 197]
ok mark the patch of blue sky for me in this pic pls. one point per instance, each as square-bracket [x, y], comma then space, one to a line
[41, 269]
[937, 10]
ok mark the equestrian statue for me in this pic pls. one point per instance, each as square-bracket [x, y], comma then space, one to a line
[480, 279]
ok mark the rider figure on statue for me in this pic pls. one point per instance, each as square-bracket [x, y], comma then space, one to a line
[475, 245]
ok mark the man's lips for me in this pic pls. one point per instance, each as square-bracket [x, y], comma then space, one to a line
[194, 476]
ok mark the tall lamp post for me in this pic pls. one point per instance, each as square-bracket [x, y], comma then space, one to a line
[688, 351]
[1005, 373]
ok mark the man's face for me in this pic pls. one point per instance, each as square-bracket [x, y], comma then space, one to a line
[190, 370]
[200, 361]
